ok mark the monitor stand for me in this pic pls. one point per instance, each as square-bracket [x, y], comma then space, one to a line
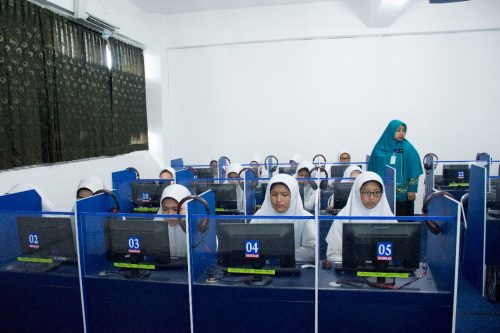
[133, 273]
[259, 280]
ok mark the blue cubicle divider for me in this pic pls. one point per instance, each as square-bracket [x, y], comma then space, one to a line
[22, 201]
[390, 186]
[185, 177]
[203, 250]
[474, 240]
[222, 163]
[251, 182]
[177, 163]
[122, 185]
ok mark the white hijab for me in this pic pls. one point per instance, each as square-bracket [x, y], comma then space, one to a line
[233, 167]
[240, 194]
[343, 151]
[309, 192]
[169, 169]
[348, 171]
[297, 158]
[47, 205]
[355, 207]
[176, 236]
[91, 183]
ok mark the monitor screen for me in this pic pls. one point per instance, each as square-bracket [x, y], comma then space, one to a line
[225, 194]
[204, 173]
[256, 245]
[46, 238]
[381, 247]
[288, 170]
[456, 174]
[341, 192]
[142, 243]
[146, 194]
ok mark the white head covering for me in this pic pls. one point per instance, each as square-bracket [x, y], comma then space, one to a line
[91, 183]
[256, 158]
[233, 167]
[304, 165]
[47, 205]
[343, 151]
[169, 169]
[348, 171]
[174, 191]
[355, 207]
[296, 157]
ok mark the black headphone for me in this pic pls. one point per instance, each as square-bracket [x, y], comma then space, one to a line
[431, 225]
[319, 155]
[116, 207]
[204, 223]
[273, 167]
[323, 184]
[226, 158]
[254, 182]
[428, 167]
[137, 176]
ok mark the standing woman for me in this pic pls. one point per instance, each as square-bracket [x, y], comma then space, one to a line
[394, 150]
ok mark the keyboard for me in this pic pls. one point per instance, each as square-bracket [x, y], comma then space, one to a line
[31, 267]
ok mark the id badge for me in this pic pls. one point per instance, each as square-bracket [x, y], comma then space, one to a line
[393, 160]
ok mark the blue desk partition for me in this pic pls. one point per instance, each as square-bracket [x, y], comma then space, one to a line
[47, 301]
[390, 186]
[177, 163]
[185, 177]
[251, 182]
[426, 305]
[113, 302]
[122, 181]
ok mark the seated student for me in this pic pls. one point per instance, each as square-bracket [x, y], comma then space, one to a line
[350, 173]
[367, 198]
[170, 198]
[295, 160]
[283, 199]
[214, 165]
[255, 164]
[88, 186]
[47, 205]
[309, 195]
[233, 171]
[344, 156]
[167, 173]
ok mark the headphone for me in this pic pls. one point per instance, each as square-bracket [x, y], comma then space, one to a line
[319, 155]
[116, 207]
[273, 167]
[226, 158]
[428, 167]
[323, 184]
[137, 176]
[254, 182]
[431, 225]
[204, 223]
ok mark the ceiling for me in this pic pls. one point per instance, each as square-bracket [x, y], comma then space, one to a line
[170, 7]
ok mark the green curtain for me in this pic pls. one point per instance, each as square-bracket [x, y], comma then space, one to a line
[58, 99]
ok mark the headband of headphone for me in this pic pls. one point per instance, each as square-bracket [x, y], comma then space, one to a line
[116, 207]
[431, 225]
[273, 166]
[322, 157]
[254, 182]
[428, 167]
[323, 184]
[137, 176]
[203, 224]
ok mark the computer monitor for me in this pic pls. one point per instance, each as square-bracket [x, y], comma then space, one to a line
[381, 247]
[225, 194]
[288, 170]
[456, 174]
[139, 246]
[341, 192]
[46, 240]
[266, 248]
[146, 194]
[204, 173]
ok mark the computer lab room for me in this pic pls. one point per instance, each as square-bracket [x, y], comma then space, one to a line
[250, 166]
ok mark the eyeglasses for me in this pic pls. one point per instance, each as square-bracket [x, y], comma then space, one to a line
[376, 194]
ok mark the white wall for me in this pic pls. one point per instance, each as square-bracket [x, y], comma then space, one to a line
[59, 181]
[314, 79]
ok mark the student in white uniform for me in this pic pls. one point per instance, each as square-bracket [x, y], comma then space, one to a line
[167, 173]
[233, 171]
[169, 201]
[295, 160]
[88, 186]
[367, 198]
[304, 171]
[283, 199]
[350, 173]
[47, 205]
[344, 156]
[256, 165]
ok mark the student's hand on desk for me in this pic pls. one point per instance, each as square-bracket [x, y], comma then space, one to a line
[411, 196]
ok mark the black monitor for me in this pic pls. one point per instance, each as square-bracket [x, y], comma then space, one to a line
[341, 192]
[381, 247]
[268, 248]
[456, 174]
[139, 246]
[46, 240]
[225, 194]
[146, 194]
[288, 170]
[204, 173]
